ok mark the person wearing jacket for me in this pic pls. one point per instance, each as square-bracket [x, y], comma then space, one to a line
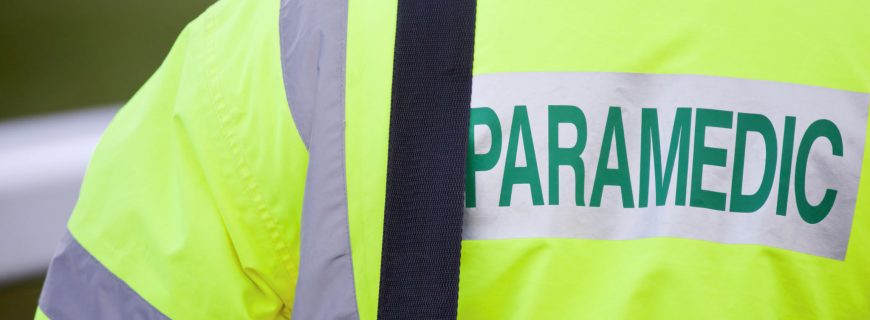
[485, 160]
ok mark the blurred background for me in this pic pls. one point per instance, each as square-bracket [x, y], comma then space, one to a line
[65, 68]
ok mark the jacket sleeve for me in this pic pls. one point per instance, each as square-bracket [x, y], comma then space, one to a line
[191, 204]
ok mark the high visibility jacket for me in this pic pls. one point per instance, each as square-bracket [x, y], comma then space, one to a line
[626, 160]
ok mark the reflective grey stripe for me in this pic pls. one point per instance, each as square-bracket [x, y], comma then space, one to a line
[80, 287]
[595, 93]
[313, 38]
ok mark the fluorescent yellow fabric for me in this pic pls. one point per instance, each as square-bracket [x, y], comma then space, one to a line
[39, 315]
[820, 43]
[816, 43]
[194, 194]
[370, 39]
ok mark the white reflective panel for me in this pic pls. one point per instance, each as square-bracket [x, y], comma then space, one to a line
[711, 210]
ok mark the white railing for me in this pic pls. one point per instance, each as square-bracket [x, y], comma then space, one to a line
[42, 161]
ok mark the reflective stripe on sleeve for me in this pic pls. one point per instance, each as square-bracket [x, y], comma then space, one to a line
[80, 287]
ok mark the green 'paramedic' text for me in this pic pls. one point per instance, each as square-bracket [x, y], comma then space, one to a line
[661, 165]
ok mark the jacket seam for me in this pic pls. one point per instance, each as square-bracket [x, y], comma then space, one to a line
[343, 155]
[281, 248]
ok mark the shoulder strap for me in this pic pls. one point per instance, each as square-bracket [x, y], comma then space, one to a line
[426, 167]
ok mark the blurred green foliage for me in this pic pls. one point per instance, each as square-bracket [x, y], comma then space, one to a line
[57, 55]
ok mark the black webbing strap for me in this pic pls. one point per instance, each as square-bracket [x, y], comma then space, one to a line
[426, 166]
